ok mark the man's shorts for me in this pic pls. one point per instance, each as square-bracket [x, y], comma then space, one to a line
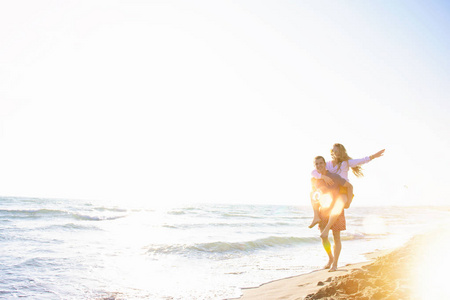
[339, 225]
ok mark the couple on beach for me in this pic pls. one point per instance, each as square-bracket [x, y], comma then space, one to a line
[331, 194]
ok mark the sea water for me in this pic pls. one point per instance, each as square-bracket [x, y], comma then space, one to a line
[68, 249]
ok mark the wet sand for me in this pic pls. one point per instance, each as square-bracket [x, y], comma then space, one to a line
[409, 272]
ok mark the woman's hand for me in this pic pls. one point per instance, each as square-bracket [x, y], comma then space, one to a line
[327, 180]
[378, 154]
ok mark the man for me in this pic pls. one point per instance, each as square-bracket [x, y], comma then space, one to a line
[328, 202]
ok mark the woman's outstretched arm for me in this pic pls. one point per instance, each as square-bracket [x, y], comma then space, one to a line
[356, 162]
[376, 155]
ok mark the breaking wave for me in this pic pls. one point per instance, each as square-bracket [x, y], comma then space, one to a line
[54, 213]
[224, 247]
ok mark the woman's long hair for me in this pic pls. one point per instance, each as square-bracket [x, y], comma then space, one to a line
[343, 156]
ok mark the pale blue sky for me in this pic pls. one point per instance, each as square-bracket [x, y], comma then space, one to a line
[222, 101]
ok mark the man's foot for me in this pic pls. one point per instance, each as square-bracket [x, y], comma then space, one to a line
[314, 223]
[328, 265]
[333, 268]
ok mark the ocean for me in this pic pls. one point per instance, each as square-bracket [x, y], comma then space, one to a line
[74, 249]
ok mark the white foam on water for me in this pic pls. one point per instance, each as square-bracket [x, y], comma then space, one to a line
[54, 249]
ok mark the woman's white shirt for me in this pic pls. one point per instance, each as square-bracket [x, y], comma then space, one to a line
[343, 170]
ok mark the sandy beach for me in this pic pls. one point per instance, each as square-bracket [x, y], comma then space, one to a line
[413, 271]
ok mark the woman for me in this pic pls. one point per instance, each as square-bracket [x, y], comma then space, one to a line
[340, 164]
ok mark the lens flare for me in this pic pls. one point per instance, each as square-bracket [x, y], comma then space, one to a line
[325, 200]
[338, 206]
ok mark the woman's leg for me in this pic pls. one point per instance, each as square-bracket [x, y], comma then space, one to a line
[316, 206]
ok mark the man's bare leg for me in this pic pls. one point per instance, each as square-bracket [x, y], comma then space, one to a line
[337, 249]
[327, 246]
[335, 213]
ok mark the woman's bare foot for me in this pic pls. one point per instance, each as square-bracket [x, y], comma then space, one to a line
[314, 222]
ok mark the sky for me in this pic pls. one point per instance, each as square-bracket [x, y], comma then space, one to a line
[166, 102]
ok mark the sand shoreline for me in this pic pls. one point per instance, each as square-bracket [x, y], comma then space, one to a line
[299, 286]
[407, 272]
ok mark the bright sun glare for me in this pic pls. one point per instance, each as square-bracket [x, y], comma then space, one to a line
[324, 199]
[430, 270]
